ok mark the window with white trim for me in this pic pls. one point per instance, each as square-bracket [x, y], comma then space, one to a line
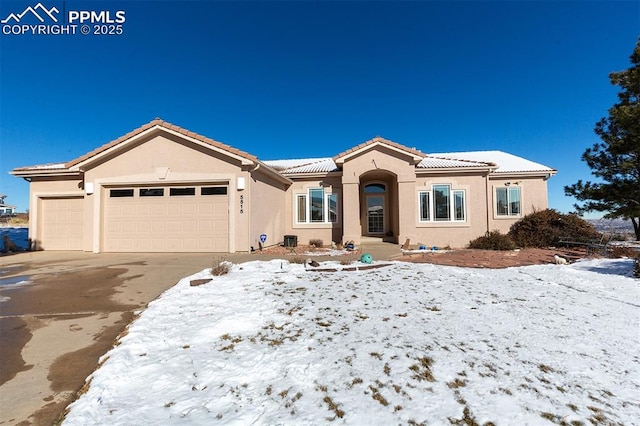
[442, 204]
[425, 206]
[316, 206]
[508, 201]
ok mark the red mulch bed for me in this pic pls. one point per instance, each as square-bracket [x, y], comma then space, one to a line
[459, 257]
[490, 258]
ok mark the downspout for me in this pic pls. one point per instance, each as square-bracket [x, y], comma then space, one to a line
[488, 204]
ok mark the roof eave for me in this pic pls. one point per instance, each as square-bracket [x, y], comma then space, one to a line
[262, 167]
[532, 173]
[31, 173]
[313, 175]
[483, 169]
[81, 165]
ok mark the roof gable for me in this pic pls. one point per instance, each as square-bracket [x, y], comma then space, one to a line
[153, 126]
[375, 142]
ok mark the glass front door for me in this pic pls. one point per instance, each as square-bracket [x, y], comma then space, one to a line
[375, 214]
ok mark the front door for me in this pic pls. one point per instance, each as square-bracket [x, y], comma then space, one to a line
[375, 214]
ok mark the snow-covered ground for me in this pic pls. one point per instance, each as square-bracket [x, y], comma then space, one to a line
[271, 343]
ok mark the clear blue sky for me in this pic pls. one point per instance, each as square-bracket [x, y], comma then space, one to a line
[304, 79]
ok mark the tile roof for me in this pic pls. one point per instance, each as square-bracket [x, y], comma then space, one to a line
[500, 162]
[308, 165]
[433, 162]
[507, 163]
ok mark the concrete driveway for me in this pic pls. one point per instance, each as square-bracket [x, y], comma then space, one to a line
[54, 329]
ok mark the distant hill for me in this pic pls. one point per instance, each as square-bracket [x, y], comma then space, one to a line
[618, 226]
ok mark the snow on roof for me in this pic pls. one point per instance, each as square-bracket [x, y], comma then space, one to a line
[303, 165]
[49, 166]
[433, 162]
[507, 163]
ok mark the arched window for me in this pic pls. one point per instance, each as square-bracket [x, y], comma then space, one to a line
[375, 188]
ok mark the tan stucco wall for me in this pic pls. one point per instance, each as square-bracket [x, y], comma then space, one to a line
[163, 150]
[265, 205]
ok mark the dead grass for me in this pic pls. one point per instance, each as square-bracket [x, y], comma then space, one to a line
[457, 383]
[468, 419]
[222, 268]
[422, 370]
[232, 342]
[333, 406]
[545, 368]
[375, 394]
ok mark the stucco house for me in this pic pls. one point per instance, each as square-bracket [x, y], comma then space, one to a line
[162, 188]
[7, 210]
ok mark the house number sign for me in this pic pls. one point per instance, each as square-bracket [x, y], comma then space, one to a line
[241, 203]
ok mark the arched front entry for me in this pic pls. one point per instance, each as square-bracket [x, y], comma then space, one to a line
[379, 205]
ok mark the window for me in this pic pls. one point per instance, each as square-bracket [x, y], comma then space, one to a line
[120, 193]
[442, 204]
[332, 201]
[425, 209]
[316, 207]
[151, 192]
[508, 201]
[179, 192]
[375, 188]
[213, 190]
[458, 205]
[301, 203]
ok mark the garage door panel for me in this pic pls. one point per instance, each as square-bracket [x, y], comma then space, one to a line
[166, 224]
[206, 226]
[189, 209]
[190, 227]
[61, 223]
[206, 209]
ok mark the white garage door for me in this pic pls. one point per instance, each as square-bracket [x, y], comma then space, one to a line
[167, 219]
[61, 224]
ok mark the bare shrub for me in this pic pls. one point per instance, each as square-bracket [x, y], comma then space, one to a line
[546, 227]
[221, 268]
[493, 240]
[316, 242]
